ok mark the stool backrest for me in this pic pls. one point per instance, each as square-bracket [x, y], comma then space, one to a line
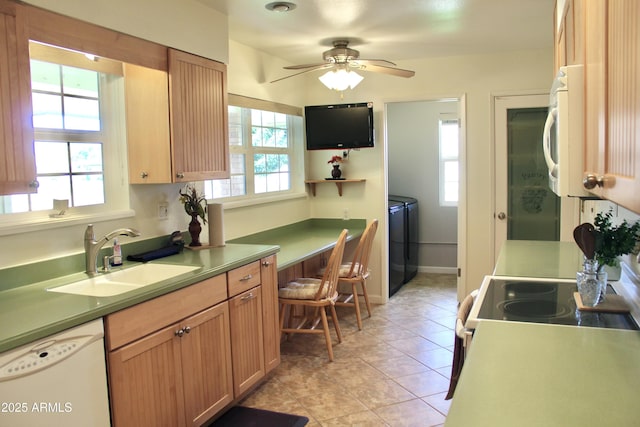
[360, 262]
[332, 271]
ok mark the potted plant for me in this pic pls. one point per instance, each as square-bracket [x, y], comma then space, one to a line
[195, 205]
[602, 243]
[336, 173]
[613, 241]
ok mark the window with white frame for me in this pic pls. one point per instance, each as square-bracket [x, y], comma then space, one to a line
[74, 110]
[265, 147]
[448, 131]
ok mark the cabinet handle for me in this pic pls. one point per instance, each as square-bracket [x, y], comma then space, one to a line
[592, 181]
[266, 264]
[248, 297]
[34, 184]
[144, 175]
[180, 175]
[182, 331]
[247, 277]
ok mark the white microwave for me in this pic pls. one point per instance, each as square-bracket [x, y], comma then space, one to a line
[563, 137]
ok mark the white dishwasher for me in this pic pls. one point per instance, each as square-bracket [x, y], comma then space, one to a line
[60, 380]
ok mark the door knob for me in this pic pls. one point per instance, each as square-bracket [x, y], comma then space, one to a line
[502, 215]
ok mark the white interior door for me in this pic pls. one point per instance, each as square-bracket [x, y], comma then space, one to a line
[503, 212]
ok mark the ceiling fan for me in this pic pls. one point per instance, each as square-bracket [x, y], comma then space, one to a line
[343, 57]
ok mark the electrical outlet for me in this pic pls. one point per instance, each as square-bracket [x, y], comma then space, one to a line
[345, 214]
[163, 211]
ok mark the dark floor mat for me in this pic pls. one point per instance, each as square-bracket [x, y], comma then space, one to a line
[240, 416]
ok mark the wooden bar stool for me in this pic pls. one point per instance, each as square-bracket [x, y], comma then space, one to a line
[314, 295]
[357, 272]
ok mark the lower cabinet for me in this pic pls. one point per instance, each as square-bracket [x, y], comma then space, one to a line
[179, 359]
[178, 376]
[247, 345]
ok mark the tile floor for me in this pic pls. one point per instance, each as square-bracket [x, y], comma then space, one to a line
[395, 372]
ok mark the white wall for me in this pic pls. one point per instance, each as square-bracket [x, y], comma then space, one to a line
[414, 170]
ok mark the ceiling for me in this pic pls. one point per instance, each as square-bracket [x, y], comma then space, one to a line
[395, 30]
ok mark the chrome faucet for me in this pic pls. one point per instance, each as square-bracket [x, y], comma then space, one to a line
[92, 246]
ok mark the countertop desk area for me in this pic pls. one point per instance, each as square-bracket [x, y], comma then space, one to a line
[304, 240]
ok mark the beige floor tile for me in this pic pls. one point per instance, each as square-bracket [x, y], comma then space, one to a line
[399, 366]
[381, 393]
[435, 359]
[424, 383]
[410, 414]
[360, 419]
[437, 401]
[324, 405]
[414, 345]
[392, 373]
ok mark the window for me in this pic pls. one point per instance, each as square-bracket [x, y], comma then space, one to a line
[449, 175]
[265, 147]
[75, 102]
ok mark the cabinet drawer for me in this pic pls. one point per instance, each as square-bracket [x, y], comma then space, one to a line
[243, 278]
[142, 319]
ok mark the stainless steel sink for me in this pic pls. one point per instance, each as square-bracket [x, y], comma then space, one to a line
[121, 281]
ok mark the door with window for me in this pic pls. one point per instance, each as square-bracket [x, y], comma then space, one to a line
[525, 206]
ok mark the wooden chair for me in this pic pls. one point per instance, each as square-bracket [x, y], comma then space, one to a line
[462, 341]
[314, 295]
[357, 272]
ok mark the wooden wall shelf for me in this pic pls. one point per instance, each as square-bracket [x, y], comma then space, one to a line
[312, 183]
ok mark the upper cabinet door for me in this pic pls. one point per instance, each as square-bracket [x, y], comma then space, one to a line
[17, 167]
[622, 150]
[595, 88]
[198, 116]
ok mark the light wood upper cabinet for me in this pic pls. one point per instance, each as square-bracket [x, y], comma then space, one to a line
[177, 122]
[622, 143]
[612, 106]
[198, 117]
[147, 112]
[595, 86]
[17, 168]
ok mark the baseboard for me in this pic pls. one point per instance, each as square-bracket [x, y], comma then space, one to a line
[438, 270]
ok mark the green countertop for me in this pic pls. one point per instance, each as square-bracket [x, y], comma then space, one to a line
[522, 374]
[305, 239]
[29, 312]
[533, 374]
[528, 258]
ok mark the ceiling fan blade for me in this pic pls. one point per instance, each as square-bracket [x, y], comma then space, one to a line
[300, 67]
[319, 67]
[399, 72]
[381, 62]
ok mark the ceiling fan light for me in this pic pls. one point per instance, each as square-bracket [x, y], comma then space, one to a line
[340, 79]
[280, 6]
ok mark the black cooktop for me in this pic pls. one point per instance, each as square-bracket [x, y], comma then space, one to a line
[544, 302]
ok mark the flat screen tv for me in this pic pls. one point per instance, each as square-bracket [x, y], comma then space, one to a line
[339, 126]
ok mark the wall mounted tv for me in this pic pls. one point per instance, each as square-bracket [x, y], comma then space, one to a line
[339, 126]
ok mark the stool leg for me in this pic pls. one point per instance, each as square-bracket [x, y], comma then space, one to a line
[327, 335]
[356, 303]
